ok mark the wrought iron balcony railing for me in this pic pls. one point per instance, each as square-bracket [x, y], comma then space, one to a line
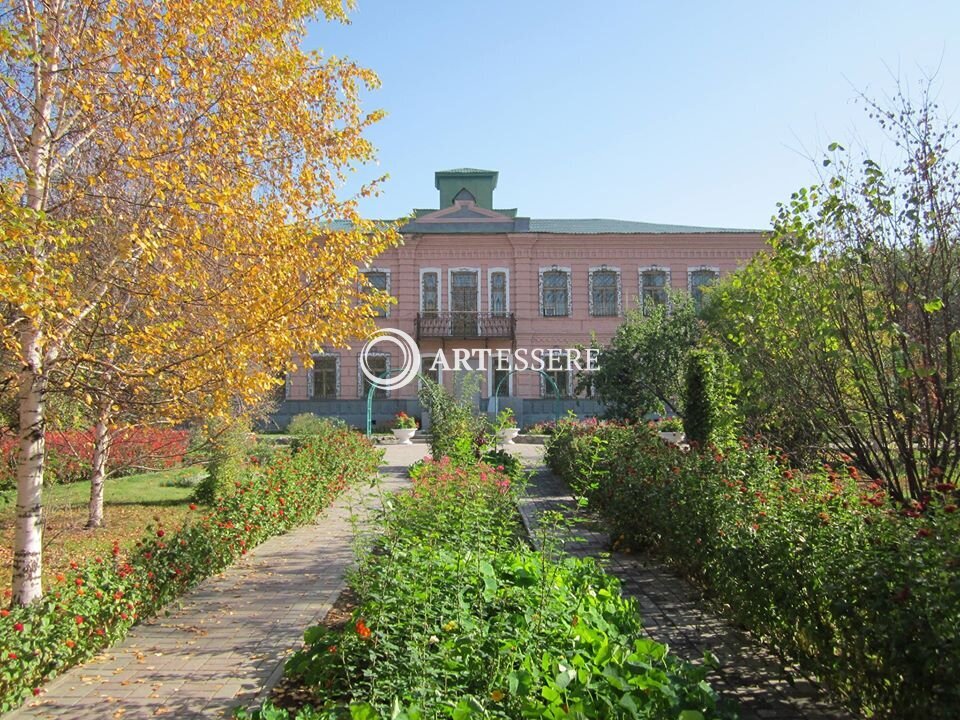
[466, 325]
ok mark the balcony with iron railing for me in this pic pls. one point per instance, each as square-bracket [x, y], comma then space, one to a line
[463, 325]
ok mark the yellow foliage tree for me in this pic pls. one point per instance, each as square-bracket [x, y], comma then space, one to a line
[173, 169]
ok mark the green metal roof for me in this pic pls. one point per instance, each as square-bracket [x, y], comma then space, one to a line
[602, 226]
[555, 226]
[467, 171]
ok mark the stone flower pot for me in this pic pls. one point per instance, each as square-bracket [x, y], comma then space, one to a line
[404, 436]
[507, 435]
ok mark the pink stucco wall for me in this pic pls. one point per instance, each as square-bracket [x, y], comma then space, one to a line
[523, 255]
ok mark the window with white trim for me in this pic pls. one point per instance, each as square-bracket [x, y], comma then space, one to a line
[430, 292]
[604, 292]
[698, 279]
[498, 293]
[654, 285]
[379, 279]
[324, 377]
[379, 365]
[555, 292]
[555, 366]
[427, 369]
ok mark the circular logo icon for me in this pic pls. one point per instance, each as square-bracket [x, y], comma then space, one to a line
[409, 358]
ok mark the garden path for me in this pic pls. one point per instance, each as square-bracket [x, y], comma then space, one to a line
[675, 613]
[224, 643]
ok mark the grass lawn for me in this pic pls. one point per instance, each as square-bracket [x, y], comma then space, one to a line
[130, 504]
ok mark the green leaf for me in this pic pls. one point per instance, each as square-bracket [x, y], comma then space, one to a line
[933, 306]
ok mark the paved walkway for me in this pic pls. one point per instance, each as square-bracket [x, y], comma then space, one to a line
[675, 613]
[226, 641]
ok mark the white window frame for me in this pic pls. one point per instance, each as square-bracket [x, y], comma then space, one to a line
[555, 268]
[336, 383]
[389, 290]
[697, 268]
[439, 273]
[668, 284]
[506, 300]
[605, 268]
[491, 376]
[566, 392]
[361, 395]
[450, 272]
[424, 365]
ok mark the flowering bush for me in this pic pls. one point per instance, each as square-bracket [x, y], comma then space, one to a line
[402, 421]
[69, 456]
[458, 617]
[860, 590]
[95, 604]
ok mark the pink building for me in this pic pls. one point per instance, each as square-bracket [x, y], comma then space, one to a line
[469, 276]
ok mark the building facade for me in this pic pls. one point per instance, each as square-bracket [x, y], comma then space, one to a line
[472, 277]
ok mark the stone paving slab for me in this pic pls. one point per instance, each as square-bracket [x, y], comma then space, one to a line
[223, 644]
[675, 613]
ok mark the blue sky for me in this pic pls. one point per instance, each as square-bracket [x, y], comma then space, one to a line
[694, 113]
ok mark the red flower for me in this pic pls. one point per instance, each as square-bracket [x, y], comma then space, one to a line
[12, 656]
[69, 643]
[193, 506]
[36, 691]
[362, 629]
[160, 533]
[79, 619]
[923, 532]
[4, 612]
[18, 627]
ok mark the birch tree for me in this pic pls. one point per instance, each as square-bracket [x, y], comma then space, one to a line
[189, 156]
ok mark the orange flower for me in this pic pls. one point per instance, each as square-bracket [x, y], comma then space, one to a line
[362, 629]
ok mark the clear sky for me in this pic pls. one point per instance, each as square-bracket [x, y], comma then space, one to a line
[698, 113]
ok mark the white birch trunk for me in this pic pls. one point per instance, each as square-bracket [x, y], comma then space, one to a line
[28, 534]
[101, 453]
[34, 357]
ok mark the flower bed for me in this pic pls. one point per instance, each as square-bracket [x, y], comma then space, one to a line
[95, 604]
[69, 455]
[862, 592]
[458, 617]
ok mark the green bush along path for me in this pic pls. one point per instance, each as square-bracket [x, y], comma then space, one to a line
[674, 612]
[228, 638]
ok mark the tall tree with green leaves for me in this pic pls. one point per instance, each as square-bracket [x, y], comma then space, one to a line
[851, 327]
[641, 371]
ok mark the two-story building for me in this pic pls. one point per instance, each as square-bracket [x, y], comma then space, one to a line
[469, 275]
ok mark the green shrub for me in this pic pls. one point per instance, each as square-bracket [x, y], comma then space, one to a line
[456, 431]
[307, 425]
[709, 416]
[230, 448]
[505, 462]
[458, 618]
[861, 591]
[94, 606]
